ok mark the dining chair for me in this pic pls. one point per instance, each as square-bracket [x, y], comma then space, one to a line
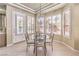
[49, 40]
[29, 41]
[40, 41]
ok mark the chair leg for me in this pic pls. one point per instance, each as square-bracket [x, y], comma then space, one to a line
[52, 46]
[36, 51]
[45, 52]
[27, 48]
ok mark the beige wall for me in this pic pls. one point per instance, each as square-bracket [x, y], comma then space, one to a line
[10, 26]
[75, 24]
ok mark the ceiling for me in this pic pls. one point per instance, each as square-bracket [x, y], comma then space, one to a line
[36, 6]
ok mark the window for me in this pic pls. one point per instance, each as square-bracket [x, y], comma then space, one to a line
[19, 24]
[67, 23]
[2, 22]
[30, 24]
[56, 20]
[33, 25]
[48, 25]
[40, 22]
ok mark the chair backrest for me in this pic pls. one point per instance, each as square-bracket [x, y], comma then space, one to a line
[26, 37]
[48, 37]
[43, 36]
[40, 37]
[37, 35]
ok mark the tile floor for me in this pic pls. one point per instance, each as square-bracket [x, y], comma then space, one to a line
[20, 50]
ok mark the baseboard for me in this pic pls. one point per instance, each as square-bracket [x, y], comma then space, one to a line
[19, 42]
[67, 46]
[15, 43]
[9, 45]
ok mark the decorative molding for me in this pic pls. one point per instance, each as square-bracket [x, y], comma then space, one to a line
[25, 7]
[43, 7]
[46, 9]
[18, 6]
[52, 8]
